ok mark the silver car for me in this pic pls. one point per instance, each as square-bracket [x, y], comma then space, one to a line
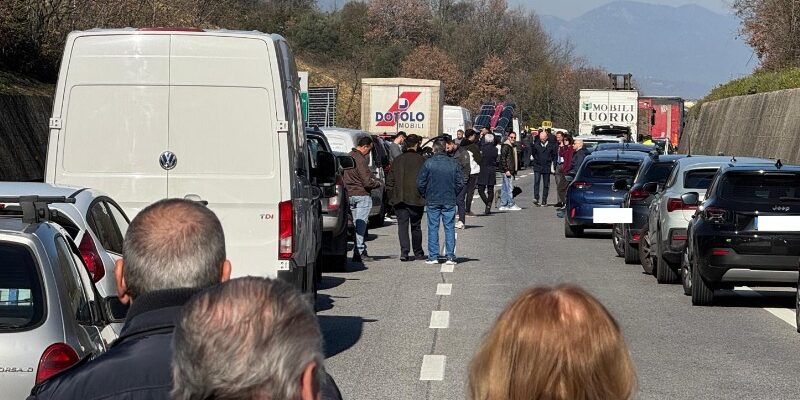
[665, 237]
[51, 315]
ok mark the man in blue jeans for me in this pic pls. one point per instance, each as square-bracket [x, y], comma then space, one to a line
[359, 181]
[509, 165]
[439, 182]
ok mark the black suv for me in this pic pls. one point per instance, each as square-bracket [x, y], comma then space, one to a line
[741, 235]
[652, 175]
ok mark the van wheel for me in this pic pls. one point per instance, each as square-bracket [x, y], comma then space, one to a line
[702, 295]
[572, 231]
[618, 239]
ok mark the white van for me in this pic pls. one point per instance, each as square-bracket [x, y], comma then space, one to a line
[455, 118]
[212, 116]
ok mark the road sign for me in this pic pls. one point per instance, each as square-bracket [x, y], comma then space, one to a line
[303, 75]
[547, 124]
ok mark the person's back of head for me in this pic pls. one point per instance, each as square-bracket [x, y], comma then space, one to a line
[553, 343]
[439, 146]
[249, 338]
[412, 141]
[171, 244]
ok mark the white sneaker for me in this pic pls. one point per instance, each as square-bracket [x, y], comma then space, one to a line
[450, 262]
[513, 208]
[502, 208]
[431, 261]
[459, 225]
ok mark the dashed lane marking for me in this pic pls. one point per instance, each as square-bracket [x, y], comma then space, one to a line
[444, 289]
[447, 267]
[440, 319]
[432, 368]
[784, 314]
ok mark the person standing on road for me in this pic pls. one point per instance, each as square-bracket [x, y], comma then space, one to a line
[173, 249]
[359, 182]
[509, 164]
[462, 157]
[406, 199]
[526, 142]
[545, 154]
[396, 145]
[487, 177]
[470, 142]
[578, 156]
[459, 137]
[562, 169]
[553, 343]
[440, 181]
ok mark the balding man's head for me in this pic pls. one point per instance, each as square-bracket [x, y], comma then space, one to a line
[173, 243]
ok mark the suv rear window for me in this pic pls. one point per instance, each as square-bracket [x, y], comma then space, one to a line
[610, 170]
[21, 302]
[699, 178]
[759, 188]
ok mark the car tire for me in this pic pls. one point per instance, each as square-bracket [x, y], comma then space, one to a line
[572, 231]
[644, 252]
[664, 272]
[618, 239]
[337, 262]
[377, 221]
[686, 279]
[797, 309]
[702, 294]
[631, 253]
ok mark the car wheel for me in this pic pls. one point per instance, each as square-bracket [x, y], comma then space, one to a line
[797, 309]
[571, 231]
[664, 272]
[377, 221]
[644, 252]
[702, 295]
[686, 279]
[618, 239]
[631, 253]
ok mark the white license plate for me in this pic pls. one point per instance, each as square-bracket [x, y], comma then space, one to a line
[612, 215]
[778, 223]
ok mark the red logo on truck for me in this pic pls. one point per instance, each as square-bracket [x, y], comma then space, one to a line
[399, 111]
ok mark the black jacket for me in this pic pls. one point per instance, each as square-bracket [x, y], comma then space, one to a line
[137, 365]
[461, 155]
[402, 180]
[487, 176]
[474, 149]
[544, 156]
[577, 160]
[508, 161]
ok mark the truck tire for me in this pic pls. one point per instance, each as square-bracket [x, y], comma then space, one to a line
[702, 295]
[664, 272]
[618, 239]
[570, 231]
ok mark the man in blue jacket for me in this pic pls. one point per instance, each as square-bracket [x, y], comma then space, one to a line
[439, 182]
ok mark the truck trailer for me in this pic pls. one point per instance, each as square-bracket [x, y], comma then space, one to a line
[601, 107]
[662, 117]
[390, 105]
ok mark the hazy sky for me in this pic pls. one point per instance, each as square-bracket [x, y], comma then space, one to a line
[568, 9]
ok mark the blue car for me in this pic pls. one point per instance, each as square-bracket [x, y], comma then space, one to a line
[601, 182]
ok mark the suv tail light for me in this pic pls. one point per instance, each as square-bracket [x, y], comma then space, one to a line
[335, 202]
[56, 358]
[678, 204]
[639, 194]
[285, 230]
[636, 236]
[720, 252]
[582, 184]
[716, 215]
[91, 257]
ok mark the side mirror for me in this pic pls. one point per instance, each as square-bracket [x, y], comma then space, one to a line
[621, 184]
[569, 178]
[324, 173]
[113, 310]
[347, 162]
[691, 199]
[651, 187]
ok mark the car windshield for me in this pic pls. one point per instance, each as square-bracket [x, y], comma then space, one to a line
[699, 178]
[592, 145]
[760, 188]
[659, 172]
[611, 170]
[21, 303]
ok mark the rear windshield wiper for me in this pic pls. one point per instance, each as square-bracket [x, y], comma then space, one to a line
[790, 199]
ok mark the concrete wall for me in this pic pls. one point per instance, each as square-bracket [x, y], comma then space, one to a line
[23, 136]
[761, 125]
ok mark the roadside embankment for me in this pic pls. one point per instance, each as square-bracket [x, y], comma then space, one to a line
[760, 125]
[23, 136]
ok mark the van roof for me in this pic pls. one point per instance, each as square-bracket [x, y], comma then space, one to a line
[176, 31]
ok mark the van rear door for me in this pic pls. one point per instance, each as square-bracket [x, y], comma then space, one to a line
[221, 130]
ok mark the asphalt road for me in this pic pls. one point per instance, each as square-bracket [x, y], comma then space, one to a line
[377, 318]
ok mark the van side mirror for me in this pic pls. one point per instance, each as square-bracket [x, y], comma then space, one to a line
[691, 199]
[347, 162]
[113, 310]
[651, 187]
[324, 173]
[621, 184]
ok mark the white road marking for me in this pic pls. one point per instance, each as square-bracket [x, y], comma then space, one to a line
[440, 319]
[432, 368]
[444, 289]
[784, 314]
[447, 268]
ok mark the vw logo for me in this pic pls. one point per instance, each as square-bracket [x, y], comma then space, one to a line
[780, 208]
[168, 160]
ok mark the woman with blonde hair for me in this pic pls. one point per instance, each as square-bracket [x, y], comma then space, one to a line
[553, 344]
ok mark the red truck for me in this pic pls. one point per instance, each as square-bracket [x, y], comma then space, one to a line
[663, 117]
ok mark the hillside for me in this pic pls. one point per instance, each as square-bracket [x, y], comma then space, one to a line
[684, 51]
[15, 84]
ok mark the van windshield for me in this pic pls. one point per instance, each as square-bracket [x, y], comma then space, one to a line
[21, 302]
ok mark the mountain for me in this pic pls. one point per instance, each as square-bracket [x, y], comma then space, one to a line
[671, 51]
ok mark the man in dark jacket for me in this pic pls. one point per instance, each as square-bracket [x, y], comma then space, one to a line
[462, 157]
[545, 153]
[172, 250]
[578, 157]
[359, 182]
[470, 143]
[509, 164]
[406, 199]
[440, 181]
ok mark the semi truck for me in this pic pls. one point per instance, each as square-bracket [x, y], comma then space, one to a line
[608, 108]
[390, 105]
[662, 118]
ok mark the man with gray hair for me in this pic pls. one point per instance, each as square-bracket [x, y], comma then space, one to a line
[173, 249]
[276, 354]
